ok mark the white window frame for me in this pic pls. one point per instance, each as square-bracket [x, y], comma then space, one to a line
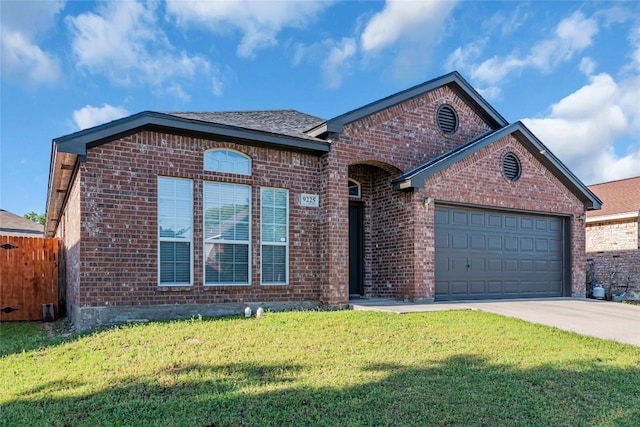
[227, 170]
[264, 243]
[223, 241]
[358, 186]
[188, 239]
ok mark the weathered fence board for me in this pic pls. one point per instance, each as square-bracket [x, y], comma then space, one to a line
[28, 277]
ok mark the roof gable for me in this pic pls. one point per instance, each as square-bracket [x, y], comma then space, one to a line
[618, 197]
[453, 80]
[415, 178]
[264, 129]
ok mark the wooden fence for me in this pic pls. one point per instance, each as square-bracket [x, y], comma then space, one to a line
[28, 277]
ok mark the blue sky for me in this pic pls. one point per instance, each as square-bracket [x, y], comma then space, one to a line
[569, 70]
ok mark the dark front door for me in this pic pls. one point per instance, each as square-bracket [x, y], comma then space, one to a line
[356, 249]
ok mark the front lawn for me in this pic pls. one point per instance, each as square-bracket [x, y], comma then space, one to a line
[458, 368]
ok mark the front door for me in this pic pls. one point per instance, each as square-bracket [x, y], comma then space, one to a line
[356, 249]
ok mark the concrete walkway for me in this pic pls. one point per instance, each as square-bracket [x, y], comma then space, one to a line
[600, 319]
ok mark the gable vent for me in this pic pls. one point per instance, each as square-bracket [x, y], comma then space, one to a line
[511, 166]
[447, 119]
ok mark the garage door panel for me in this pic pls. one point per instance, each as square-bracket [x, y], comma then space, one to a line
[442, 287]
[493, 254]
[459, 217]
[477, 219]
[510, 286]
[542, 245]
[459, 287]
[442, 241]
[511, 243]
[477, 242]
[478, 287]
[510, 265]
[526, 266]
[494, 243]
[494, 287]
[541, 266]
[526, 244]
[442, 217]
[555, 225]
[510, 222]
[494, 265]
[526, 224]
[457, 265]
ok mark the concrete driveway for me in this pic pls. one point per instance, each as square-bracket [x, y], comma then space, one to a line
[601, 319]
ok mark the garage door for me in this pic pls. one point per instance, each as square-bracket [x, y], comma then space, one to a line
[483, 254]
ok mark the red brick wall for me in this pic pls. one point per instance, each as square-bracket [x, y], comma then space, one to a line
[68, 233]
[375, 150]
[478, 180]
[118, 264]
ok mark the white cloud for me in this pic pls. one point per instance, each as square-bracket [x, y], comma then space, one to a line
[413, 28]
[258, 21]
[582, 128]
[89, 116]
[463, 57]
[22, 59]
[571, 36]
[507, 24]
[587, 66]
[124, 42]
[401, 19]
[336, 63]
[634, 40]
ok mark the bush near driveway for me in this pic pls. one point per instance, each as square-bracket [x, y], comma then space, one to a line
[461, 368]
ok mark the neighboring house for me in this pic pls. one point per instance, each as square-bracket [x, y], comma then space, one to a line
[14, 225]
[428, 194]
[613, 233]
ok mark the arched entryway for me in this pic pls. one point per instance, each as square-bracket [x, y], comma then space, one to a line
[377, 237]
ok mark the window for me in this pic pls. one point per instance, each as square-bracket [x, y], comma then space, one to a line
[227, 216]
[175, 231]
[354, 188]
[229, 161]
[274, 235]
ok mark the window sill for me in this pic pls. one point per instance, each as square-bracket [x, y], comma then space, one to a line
[174, 288]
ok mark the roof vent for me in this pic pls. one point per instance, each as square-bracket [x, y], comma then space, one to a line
[447, 119]
[511, 166]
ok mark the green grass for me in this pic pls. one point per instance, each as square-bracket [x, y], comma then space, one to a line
[459, 368]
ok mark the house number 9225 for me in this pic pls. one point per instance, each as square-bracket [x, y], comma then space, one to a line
[310, 200]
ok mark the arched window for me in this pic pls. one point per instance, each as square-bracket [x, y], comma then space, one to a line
[354, 188]
[229, 161]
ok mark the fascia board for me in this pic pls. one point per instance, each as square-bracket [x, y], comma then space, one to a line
[613, 217]
[559, 170]
[416, 179]
[466, 92]
[529, 141]
[77, 142]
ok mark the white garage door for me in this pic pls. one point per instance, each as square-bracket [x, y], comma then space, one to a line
[484, 254]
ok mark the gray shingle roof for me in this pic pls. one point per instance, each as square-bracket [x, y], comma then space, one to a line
[14, 225]
[283, 122]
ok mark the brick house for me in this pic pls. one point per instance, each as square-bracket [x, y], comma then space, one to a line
[428, 194]
[613, 233]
